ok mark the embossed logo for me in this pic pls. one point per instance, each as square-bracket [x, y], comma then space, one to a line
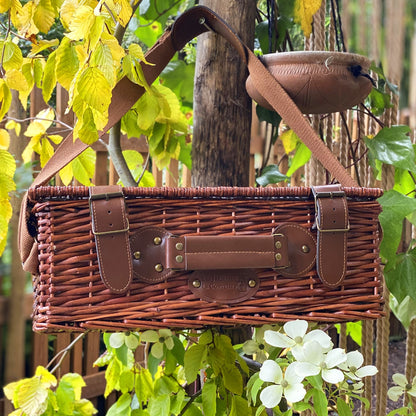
[223, 286]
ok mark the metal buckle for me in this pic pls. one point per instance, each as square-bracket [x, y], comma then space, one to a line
[328, 194]
[335, 230]
[106, 195]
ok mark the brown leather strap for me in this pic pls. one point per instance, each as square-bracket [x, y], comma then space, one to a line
[110, 227]
[190, 24]
[331, 217]
[227, 252]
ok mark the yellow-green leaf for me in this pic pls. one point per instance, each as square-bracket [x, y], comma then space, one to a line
[4, 139]
[15, 80]
[95, 32]
[137, 52]
[32, 396]
[124, 12]
[10, 388]
[44, 15]
[116, 50]
[81, 23]
[27, 73]
[38, 66]
[25, 21]
[67, 10]
[66, 174]
[41, 45]
[83, 167]
[7, 164]
[30, 148]
[55, 138]
[103, 59]
[13, 125]
[46, 151]
[5, 98]
[94, 89]
[148, 109]
[67, 63]
[303, 11]
[76, 381]
[43, 120]
[289, 140]
[5, 5]
[49, 77]
[12, 55]
[46, 377]
[85, 129]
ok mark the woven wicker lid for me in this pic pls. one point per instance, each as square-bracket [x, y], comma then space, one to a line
[318, 81]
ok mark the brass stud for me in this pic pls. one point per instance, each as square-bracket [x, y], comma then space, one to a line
[179, 259]
[278, 244]
[157, 241]
[179, 246]
[159, 267]
[196, 283]
[252, 283]
[305, 248]
[137, 255]
[278, 256]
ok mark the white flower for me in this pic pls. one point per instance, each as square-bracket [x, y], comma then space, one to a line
[402, 387]
[312, 360]
[296, 336]
[160, 338]
[290, 385]
[256, 346]
[353, 369]
[351, 387]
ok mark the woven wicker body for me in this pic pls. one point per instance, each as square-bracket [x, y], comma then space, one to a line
[70, 296]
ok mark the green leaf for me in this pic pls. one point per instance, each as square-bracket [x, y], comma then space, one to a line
[149, 31]
[395, 208]
[176, 402]
[239, 407]
[165, 385]
[233, 380]
[159, 405]
[126, 381]
[31, 396]
[205, 338]
[65, 396]
[179, 77]
[144, 385]
[256, 388]
[116, 339]
[301, 406]
[94, 89]
[316, 382]
[12, 57]
[401, 279]
[132, 341]
[75, 381]
[112, 375]
[405, 311]
[192, 410]
[271, 175]
[269, 116]
[402, 411]
[261, 410]
[209, 398]
[393, 146]
[148, 109]
[403, 181]
[343, 408]
[354, 330]
[178, 350]
[301, 157]
[320, 402]
[121, 407]
[67, 63]
[192, 360]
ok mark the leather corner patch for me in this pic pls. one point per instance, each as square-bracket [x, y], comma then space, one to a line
[224, 286]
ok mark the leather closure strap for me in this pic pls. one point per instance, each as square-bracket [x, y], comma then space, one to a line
[110, 227]
[332, 225]
[227, 252]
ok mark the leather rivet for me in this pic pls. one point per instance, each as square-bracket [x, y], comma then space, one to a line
[179, 259]
[196, 283]
[278, 244]
[159, 267]
[305, 248]
[137, 255]
[278, 256]
[252, 283]
[179, 246]
[157, 241]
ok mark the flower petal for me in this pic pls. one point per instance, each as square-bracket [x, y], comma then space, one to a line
[157, 350]
[412, 391]
[335, 357]
[271, 396]
[170, 343]
[400, 379]
[276, 339]
[333, 375]
[250, 347]
[354, 359]
[165, 333]
[149, 336]
[306, 369]
[291, 376]
[296, 328]
[394, 393]
[294, 392]
[271, 371]
[321, 337]
[311, 352]
[367, 370]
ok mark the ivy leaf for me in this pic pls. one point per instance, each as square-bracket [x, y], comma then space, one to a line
[393, 146]
[405, 311]
[301, 157]
[400, 279]
[271, 175]
[303, 12]
[209, 398]
[396, 207]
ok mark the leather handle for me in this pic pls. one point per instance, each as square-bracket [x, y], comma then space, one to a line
[227, 252]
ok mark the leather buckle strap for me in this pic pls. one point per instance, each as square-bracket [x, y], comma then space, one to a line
[332, 225]
[110, 227]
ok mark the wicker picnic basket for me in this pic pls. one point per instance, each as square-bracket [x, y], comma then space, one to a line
[111, 258]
